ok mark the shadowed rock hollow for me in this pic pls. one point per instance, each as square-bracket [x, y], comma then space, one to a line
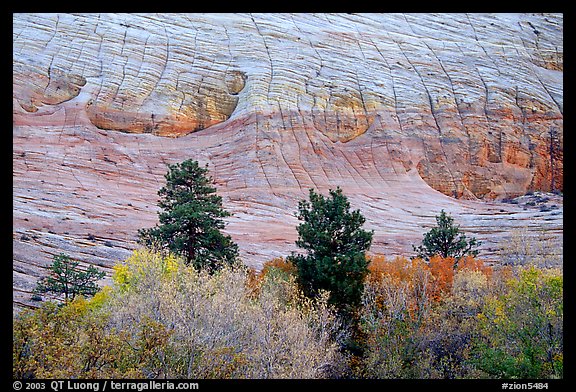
[408, 113]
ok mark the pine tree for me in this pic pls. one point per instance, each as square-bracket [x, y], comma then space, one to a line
[66, 278]
[335, 246]
[445, 240]
[191, 219]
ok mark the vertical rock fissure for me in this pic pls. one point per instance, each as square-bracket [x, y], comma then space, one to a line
[377, 118]
[164, 65]
[312, 143]
[267, 53]
[366, 115]
[523, 111]
[258, 152]
[463, 127]
[541, 82]
[285, 131]
[432, 111]
[391, 75]
[552, 152]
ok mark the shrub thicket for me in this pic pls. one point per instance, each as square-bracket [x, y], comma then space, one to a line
[161, 318]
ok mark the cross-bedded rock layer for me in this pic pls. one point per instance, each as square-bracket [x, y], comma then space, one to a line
[383, 105]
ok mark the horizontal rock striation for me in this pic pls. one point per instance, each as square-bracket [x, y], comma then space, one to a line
[409, 113]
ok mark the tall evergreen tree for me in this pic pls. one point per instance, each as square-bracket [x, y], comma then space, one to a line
[335, 246]
[445, 240]
[191, 219]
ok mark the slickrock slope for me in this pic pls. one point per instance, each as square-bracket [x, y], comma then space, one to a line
[408, 113]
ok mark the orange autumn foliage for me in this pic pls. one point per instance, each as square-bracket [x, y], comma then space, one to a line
[472, 264]
[407, 281]
[278, 264]
[378, 267]
[442, 268]
[441, 271]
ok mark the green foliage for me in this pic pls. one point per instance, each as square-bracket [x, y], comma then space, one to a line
[66, 278]
[522, 329]
[191, 219]
[478, 327]
[445, 240]
[73, 341]
[335, 244]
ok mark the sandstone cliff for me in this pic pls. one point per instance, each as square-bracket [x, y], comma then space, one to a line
[408, 113]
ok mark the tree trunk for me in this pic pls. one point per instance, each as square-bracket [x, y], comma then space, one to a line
[191, 247]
